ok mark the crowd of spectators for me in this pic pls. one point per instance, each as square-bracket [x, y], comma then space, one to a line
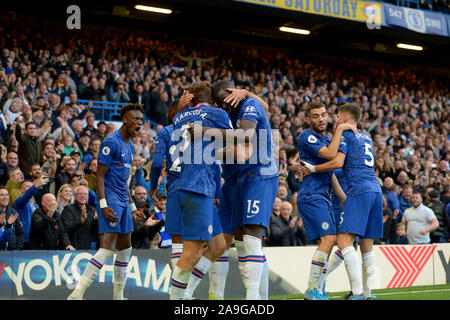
[50, 141]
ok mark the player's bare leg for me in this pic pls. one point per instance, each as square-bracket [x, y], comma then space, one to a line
[219, 270]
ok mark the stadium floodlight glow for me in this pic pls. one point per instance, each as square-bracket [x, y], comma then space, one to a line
[295, 30]
[152, 9]
[409, 46]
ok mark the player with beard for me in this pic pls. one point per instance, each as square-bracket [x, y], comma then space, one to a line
[314, 198]
[116, 205]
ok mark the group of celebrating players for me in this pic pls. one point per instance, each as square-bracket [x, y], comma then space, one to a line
[218, 132]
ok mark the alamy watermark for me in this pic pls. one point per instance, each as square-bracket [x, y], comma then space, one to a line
[74, 20]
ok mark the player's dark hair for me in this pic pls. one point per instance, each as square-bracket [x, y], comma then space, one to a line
[352, 109]
[130, 107]
[173, 110]
[202, 92]
[220, 92]
[314, 105]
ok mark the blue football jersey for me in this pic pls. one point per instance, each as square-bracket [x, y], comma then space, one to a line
[359, 165]
[163, 148]
[317, 185]
[261, 164]
[117, 155]
[195, 159]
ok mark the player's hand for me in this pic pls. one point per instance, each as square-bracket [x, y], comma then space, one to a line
[349, 126]
[110, 215]
[185, 100]
[153, 194]
[309, 166]
[236, 96]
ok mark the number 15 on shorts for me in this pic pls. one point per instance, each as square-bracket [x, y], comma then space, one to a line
[252, 207]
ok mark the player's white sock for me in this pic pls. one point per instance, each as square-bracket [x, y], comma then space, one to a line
[335, 261]
[240, 248]
[92, 268]
[352, 266]
[121, 272]
[177, 250]
[180, 279]
[322, 279]
[254, 266]
[264, 287]
[200, 269]
[368, 272]
[218, 276]
[318, 261]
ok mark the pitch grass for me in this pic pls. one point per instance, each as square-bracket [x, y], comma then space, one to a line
[438, 292]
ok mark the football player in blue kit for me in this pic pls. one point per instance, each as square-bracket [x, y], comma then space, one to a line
[116, 205]
[165, 148]
[363, 210]
[314, 199]
[197, 184]
[251, 184]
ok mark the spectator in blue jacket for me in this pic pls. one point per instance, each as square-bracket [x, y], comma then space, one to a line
[11, 227]
[26, 205]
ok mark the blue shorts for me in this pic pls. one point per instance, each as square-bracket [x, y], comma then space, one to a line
[174, 217]
[123, 226]
[363, 216]
[217, 224]
[337, 218]
[225, 207]
[197, 223]
[318, 218]
[254, 203]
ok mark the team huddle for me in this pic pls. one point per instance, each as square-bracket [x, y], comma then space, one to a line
[216, 133]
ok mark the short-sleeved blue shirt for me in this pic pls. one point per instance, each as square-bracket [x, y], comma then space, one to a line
[117, 155]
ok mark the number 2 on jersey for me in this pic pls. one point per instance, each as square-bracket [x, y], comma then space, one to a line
[184, 145]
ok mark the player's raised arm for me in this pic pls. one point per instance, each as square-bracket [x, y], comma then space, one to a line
[331, 151]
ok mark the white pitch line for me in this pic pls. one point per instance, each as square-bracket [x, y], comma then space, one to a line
[399, 292]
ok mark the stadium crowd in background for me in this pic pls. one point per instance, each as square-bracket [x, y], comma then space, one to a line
[46, 131]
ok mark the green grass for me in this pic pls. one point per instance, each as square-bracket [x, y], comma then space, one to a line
[439, 292]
